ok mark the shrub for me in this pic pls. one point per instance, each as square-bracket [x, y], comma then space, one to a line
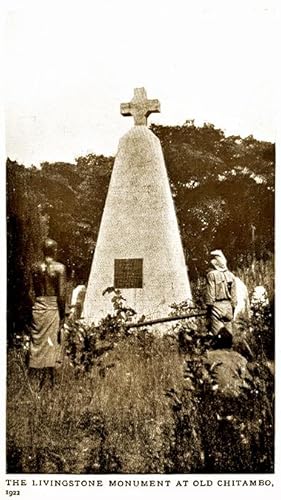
[121, 404]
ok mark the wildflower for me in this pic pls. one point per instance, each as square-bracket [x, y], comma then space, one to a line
[259, 297]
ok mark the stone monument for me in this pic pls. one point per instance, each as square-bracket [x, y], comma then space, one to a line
[139, 249]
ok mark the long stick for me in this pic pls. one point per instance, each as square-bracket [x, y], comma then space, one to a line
[165, 320]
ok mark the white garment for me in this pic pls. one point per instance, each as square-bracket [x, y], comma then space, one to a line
[78, 294]
[242, 310]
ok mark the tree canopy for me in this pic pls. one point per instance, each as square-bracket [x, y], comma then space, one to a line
[223, 189]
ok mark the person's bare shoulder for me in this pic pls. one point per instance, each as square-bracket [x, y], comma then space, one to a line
[59, 267]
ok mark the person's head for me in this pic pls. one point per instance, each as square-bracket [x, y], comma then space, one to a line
[49, 248]
[218, 260]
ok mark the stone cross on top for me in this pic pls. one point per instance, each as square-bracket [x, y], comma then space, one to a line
[140, 107]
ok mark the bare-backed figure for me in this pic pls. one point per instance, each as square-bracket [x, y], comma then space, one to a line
[48, 312]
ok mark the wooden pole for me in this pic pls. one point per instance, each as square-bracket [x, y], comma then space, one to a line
[165, 320]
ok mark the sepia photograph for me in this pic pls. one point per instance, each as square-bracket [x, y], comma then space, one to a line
[140, 248]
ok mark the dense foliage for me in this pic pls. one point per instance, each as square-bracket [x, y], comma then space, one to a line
[134, 401]
[223, 189]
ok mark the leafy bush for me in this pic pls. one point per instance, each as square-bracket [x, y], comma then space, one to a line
[124, 404]
[85, 343]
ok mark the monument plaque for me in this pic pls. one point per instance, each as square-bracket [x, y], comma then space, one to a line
[128, 273]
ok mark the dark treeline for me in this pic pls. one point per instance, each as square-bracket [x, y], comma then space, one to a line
[223, 189]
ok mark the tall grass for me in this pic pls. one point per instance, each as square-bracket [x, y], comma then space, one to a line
[133, 412]
[258, 272]
[111, 419]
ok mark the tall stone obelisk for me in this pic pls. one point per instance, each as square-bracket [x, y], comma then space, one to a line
[139, 249]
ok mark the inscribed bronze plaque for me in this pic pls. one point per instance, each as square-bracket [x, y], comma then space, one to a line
[128, 273]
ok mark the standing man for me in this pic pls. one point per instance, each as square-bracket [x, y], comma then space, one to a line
[48, 312]
[221, 296]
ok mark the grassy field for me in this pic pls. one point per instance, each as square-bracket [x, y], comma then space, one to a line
[130, 409]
